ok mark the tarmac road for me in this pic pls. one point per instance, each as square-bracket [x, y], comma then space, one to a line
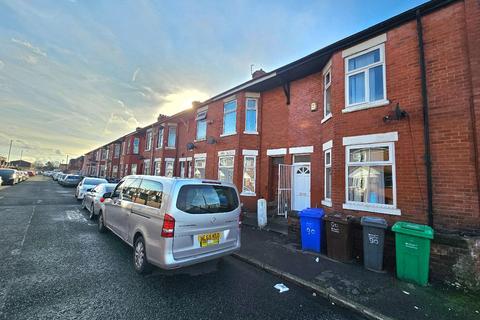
[55, 265]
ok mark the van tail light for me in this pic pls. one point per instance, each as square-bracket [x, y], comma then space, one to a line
[102, 199]
[168, 226]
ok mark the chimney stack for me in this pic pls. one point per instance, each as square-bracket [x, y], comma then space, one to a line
[161, 117]
[258, 73]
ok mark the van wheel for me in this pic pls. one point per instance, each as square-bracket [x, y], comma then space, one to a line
[140, 257]
[91, 214]
[101, 223]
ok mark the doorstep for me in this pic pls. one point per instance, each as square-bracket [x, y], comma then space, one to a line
[374, 295]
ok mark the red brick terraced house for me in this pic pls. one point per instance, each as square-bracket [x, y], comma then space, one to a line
[381, 123]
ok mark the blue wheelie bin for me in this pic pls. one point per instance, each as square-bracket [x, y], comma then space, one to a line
[311, 228]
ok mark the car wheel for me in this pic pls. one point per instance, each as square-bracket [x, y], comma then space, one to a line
[101, 223]
[91, 215]
[140, 257]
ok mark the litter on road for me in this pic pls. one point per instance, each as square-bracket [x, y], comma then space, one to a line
[281, 287]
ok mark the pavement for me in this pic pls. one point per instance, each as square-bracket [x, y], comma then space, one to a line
[55, 265]
[372, 295]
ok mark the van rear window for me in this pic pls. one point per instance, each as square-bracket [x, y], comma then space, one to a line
[199, 199]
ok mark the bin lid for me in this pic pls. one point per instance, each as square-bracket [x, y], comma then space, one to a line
[312, 213]
[374, 222]
[413, 229]
[337, 218]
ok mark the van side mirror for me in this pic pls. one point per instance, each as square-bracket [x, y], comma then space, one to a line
[89, 190]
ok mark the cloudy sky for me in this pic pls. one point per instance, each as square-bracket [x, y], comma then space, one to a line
[75, 74]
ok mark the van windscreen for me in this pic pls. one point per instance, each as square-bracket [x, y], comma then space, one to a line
[199, 199]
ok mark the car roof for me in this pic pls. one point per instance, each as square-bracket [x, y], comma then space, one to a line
[183, 180]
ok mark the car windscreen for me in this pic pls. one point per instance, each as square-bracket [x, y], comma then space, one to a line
[200, 199]
[73, 177]
[94, 182]
[6, 172]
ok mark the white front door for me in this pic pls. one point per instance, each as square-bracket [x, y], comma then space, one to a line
[301, 186]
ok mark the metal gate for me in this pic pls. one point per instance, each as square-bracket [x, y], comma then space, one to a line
[284, 189]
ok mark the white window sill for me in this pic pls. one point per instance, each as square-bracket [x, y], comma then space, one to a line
[372, 208]
[248, 194]
[170, 148]
[227, 134]
[158, 148]
[329, 116]
[365, 106]
[200, 140]
[327, 203]
[250, 132]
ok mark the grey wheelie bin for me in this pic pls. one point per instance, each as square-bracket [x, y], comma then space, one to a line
[373, 242]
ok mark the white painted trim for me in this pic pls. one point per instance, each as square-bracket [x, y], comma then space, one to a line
[252, 95]
[157, 159]
[247, 152]
[371, 208]
[248, 84]
[204, 108]
[248, 194]
[256, 114]
[146, 160]
[230, 98]
[169, 159]
[276, 152]
[327, 145]
[250, 132]
[327, 203]
[226, 153]
[172, 124]
[365, 45]
[329, 116]
[227, 134]
[327, 68]
[199, 155]
[371, 138]
[367, 105]
[182, 159]
[189, 158]
[297, 150]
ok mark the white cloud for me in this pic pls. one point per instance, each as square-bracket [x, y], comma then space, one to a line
[180, 100]
[135, 74]
[28, 45]
[2, 64]
[120, 121]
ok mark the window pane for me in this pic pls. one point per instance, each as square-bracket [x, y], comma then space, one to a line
[230, 106]
[251, 121]
[169, 169]
[199, 199]
[150, 193]
[369, 154]
[249, 180]
[375, 77]
[301, 158]
[328, 109]
[370, 184]
[160, 138]
[199, 169]
[328, 183]
[225, 174]
[136, 143]
[229, 123]
[356, 88]
[327, 158]
[201, 129]
[364, 60]
[251, 104]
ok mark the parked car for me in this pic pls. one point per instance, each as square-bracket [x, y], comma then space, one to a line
[61, 177]
[71, 180]
[56, 175]
[94, 199]
[1, 181]
[173, 222]
[31, 173]
[9, 176]
[86, 184]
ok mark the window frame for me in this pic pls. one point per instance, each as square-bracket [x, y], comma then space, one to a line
[145, 162]
[167, 161]
[148, 140]
[138, 145]
[204, 167]
[247, 108]
[224, 116]
[249, 193]
[182, 163]
[198, 121]
[391, 209]
[160, 134]
[131, 168]
[232, 166]
[327, 201]
[367, 103]
[172, 129]
[155, 162]
[326, 86]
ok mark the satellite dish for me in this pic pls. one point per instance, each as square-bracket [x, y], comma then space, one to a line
[190, 146]
[211, 140]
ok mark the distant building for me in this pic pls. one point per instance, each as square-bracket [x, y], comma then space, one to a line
[75, 165]
[21, 164]
[3, 161]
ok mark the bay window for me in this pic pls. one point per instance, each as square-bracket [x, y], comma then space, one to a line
[225, 168]
[230, 117]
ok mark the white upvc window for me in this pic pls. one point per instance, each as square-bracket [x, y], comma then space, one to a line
[200, 168]
[114, 171]
[370, 177]
[201, 119]
[136, 145]
[249, 175]
[117, 151]
[160, 138]
[146, 167]
[148, 140]
[158, 166]
[327, 83]
[365, 79]
[327, 176]
[169, 165]
[172, 136]
[189, 168]
[123, 147]
[230, 117]
[225, 168]
[133, 168]
[182, 168]
[251, 114]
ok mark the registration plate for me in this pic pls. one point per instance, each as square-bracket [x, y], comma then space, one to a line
[209, 239]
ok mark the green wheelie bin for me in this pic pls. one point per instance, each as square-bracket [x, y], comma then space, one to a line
[412, 243]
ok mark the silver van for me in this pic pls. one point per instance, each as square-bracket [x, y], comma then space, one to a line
[173, 222]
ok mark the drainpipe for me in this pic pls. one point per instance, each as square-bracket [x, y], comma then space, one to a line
[426, 125]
